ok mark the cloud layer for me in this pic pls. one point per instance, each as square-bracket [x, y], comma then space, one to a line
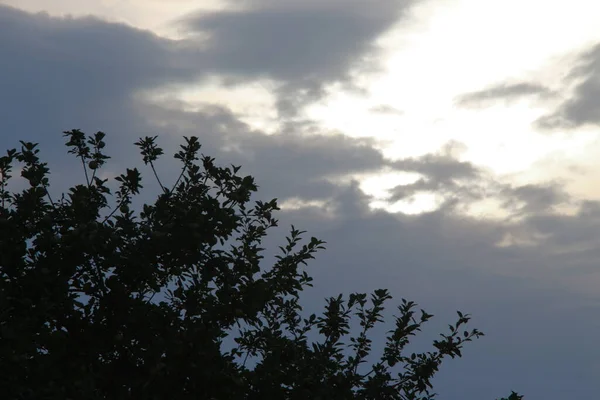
[529, 279]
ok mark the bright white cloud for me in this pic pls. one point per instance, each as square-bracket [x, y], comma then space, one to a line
[252, 102]
[450, 48]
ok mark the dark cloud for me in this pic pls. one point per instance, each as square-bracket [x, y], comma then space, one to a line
[291, 97]
[531, 199]
[442, 168]
[296, 162]
[62, 73]
[295, 41]
[504, 92]
[441, 173]
[300, 44]
[574, 237]
[582, 106]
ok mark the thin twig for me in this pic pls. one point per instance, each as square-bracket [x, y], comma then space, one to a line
[47, 194]
[179, 177]
[114, 210]
[246, 358]
[156, 175]
[85, 170]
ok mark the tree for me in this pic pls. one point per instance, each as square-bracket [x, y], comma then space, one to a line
[101, 302]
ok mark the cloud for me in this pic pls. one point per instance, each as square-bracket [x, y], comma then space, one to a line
[299, 162]
[531, 199]
[449, 262]
[61, 73]
[582, 87]
[503, 92]
[294, 41]
[88, 73]
[386, 109]
[442, 173]
[572, 237]
[302, 45]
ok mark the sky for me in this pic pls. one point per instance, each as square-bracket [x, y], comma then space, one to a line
[447, 150]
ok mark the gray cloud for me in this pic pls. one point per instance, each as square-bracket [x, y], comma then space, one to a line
[583, 105]
[295, 163]
[91, 70]
[58, 73]
[449, 262]
[573, 238]
[504, 92]
[532, 199]
[442, 173]
[295, 41]
[301, 44]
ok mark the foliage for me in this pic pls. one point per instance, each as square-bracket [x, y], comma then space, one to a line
[101, 302]
[513, 396]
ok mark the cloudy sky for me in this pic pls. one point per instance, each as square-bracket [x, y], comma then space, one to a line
[447, 150]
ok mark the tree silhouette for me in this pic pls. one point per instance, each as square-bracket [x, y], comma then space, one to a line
[99, 301]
